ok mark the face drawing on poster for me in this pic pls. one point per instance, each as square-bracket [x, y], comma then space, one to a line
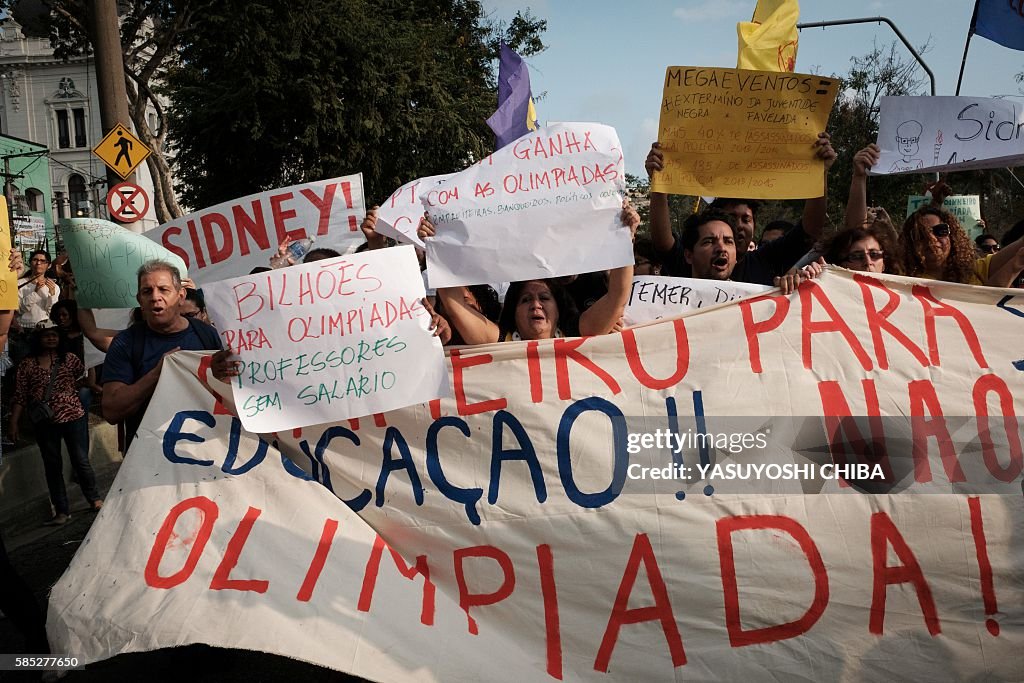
[908, 137]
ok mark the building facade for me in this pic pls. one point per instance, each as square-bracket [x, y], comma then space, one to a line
[53, 103]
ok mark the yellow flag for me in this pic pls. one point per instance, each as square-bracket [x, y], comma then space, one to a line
[768, 42]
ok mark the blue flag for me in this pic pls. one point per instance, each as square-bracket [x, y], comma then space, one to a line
[515, 116]
[1000, 21]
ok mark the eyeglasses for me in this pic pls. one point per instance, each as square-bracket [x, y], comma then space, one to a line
[990, 248]
[941, 230]
[39, 260]
[865, 256]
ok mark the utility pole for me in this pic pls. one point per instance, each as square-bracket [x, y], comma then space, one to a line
[106, 41]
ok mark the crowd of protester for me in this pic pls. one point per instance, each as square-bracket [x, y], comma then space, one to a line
[47, 333]
[43, 341]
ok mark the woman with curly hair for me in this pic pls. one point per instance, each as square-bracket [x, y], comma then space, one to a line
[868, 249]
[935, 247]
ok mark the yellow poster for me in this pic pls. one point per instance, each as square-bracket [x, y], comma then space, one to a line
[8, 280]
[738, 133]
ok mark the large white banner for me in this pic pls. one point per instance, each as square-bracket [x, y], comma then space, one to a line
[545, 205]
[920, 134]
[332, 339]
[232, 238]
[533, 540]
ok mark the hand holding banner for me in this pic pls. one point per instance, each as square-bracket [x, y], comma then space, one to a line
[329, 340]
[736, 133]
[106, 259]
[548, 204]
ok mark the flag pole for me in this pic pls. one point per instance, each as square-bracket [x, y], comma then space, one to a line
[967, 45]
[963, 62]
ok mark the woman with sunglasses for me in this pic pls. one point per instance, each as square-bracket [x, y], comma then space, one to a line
[867, 249]
[935, 247]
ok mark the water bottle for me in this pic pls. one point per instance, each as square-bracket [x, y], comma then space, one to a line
[295, 250]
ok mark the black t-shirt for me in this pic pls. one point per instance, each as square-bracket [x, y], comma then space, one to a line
[586, 289]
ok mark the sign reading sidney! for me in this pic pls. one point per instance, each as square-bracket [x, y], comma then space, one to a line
[231, 238]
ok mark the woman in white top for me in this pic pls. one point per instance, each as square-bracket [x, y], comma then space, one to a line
[36, 292]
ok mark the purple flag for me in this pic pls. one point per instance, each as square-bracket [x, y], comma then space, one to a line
[515, 116]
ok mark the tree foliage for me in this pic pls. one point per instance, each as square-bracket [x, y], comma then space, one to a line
[267, 95]
[882, 72]
[150, 34]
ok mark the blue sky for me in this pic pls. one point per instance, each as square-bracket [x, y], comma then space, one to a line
[606, 58]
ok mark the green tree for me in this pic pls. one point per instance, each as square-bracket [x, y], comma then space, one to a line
[267, 95]
[150, 31]
[854, 124]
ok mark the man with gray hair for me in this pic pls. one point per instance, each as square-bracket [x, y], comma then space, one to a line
[135, 356]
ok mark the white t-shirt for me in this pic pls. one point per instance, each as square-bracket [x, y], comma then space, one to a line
[35, 303]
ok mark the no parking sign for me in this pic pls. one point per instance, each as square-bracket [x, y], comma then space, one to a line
[127, 202]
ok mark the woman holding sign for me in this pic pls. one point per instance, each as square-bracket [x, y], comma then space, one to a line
[540, 309]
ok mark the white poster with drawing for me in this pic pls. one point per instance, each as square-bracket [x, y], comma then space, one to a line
[919, 134]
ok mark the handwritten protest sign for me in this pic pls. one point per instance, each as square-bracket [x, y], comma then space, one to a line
[525, 512]
[919, 134]
[29, 230]
[8, 278]
[232, 238]
[106, 259]
[653, 297]
[515, 215]
[399, 215]
[738, 133]
[966, 208]
[327, 340]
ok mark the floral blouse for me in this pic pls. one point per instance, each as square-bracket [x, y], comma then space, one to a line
[33, 379]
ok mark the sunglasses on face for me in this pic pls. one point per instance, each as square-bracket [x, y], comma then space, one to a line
[39, 260]
[990, 248]
[865, 256]
[941, 230]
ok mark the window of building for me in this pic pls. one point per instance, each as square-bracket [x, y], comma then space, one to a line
[63, 132]
[78, 195]
[34, 199]
[79, 117]
[58, 200]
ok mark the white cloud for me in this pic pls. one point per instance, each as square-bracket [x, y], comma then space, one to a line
[714, 10]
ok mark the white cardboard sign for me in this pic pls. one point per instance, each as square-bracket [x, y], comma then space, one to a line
[231, 238]
[399, 215]
[328, 340]
[546, 205]
[653, 297]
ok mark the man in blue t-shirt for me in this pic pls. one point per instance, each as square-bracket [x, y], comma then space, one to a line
[134, 359]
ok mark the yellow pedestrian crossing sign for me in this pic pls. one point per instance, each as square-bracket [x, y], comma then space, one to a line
[121, 151]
